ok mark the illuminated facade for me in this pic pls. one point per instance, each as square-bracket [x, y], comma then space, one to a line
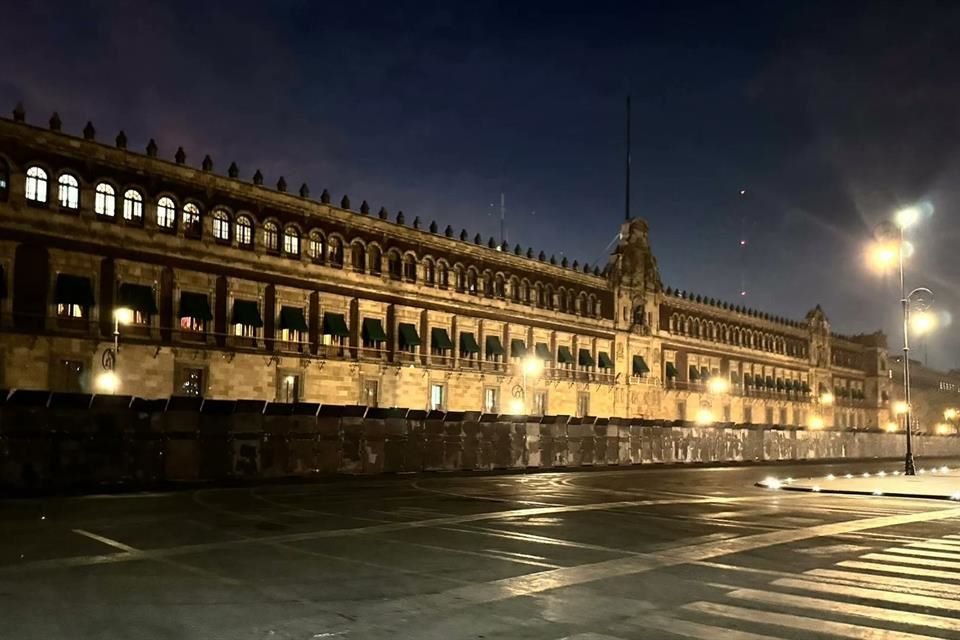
[238, 290]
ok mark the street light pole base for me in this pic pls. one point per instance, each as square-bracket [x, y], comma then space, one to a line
[909, 468]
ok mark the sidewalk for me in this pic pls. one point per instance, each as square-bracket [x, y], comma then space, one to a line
[935, 483]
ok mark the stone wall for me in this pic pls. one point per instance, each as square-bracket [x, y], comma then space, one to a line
[77, 441]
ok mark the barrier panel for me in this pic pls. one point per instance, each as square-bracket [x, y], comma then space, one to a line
[246, 438]
[181, 431]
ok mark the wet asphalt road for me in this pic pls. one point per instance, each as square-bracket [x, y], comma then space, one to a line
[614, 554]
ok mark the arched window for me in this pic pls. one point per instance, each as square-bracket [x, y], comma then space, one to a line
[472, 281]
[375, 257]
[409, 268]
[291, 241]
[37, 185]
[192, 227]
[443, 275]
[315, 246]
[358, 257]
[459, 279]
[4, 181]
[429, 272]
[244, 231]
[499, 288]
[393, 265]
[515, 293]
[539, 295]
[166, 213]
[105, 201]
[69, 192]
[548, 297]
[221, 225]
[271, 236]
[335, 252]
[133, 206]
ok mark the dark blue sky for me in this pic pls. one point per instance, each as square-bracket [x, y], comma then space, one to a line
[830, 114]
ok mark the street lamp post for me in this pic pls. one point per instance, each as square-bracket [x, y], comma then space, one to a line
[108, 380]
[530, 366]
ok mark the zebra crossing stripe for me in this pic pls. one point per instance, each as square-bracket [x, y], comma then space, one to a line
[909, 551]
[935, 546]
[922, 587]
[902, 559]
[696, 630]
[848, 609]
[864, 593]
[803, 623]
[899, 569]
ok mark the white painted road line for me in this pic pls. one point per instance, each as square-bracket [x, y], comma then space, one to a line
[107, 541]
[864, 593]
[899, 569]
[922, 562]
[696, 630]
[896, 583]
[847, 609]
[803, 623]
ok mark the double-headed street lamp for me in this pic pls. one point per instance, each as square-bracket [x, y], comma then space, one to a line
[892, 246]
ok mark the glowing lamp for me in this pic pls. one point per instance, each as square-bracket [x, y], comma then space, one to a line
[826, 399]
[882, 256]
[107, 382]
[704, 417]
[516, 407]
[922, 322]
[907, 217]
[718, 385]
[900, 407]
[892, 427]
[532, 366]
[816, 422]
[950, 414]
[123, 315]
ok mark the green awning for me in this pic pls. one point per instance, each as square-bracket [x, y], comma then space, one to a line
[543, 351]
[704, 373]
[74, 290]
[408, 335]
[468, 344]
[494, 346]
[735, 377]
[805, 387]
[694, 373]
[747, 380]
[585, 358]
[335, 325]
[440, 339]
[245, 312]
[3, 284]
[671, 370]
[518, 348]
[373, 330]
[780, 385]
[138, 297]
[196, 306]
[292, 318]
[770, 383]
[604, 360]
[564, 356]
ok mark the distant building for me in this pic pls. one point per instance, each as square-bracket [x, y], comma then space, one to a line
[239, 290]
[932, 393]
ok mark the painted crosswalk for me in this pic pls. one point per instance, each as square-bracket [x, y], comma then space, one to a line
[907, 592]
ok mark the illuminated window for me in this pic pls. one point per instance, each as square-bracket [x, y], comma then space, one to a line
[244, 231]
[429, 272]
[335, 252]
[376, 260]
[192, 325]
[191, 221]
[244, 330]
[105, 202]
[438, 397]
[221, 225]
[315, 246]
[291, 241]
[271, 236]
[491, 400]
[189, 381]
[69, 192]
[37, 185]
[71, 311]
[166, 213]
[410, 269]
[443, 275]
[133, 206]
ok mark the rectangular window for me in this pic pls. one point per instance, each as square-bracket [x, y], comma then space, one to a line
[290, 335]
[288, 386]
[189, 381]
[67, 375]
[332, 340]
[747, 414]
[192, 325]
[370, 393]
[244, 330]
[491, 400]
[539, 403]
[769, 415]
[438, 397]
[681, 410]
[71, 311]
[583, 404]
[783, 416]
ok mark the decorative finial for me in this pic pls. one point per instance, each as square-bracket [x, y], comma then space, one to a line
[233, 171]
[382, 214]
[564, 263]
[18, 113]
[89, 133]
[491, 243]
[152, 148]
[121, 140]
[448, 231]
[345, 202]
[463, 235]
[553, 259]
[207, 164]
[282, 185]
[55, 122]
[517, 250]
[180, 156]
[304, 190]
[530, 252]
[258, 178]
[364, 208]
[542, 257]
[477, 239]
[433, 226]
[325, 197]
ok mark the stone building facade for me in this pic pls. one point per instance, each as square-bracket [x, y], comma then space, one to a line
[240, 290]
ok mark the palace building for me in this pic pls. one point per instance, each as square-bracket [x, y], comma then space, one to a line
[235, 289]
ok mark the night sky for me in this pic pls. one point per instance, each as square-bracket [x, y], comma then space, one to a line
[830, 115]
